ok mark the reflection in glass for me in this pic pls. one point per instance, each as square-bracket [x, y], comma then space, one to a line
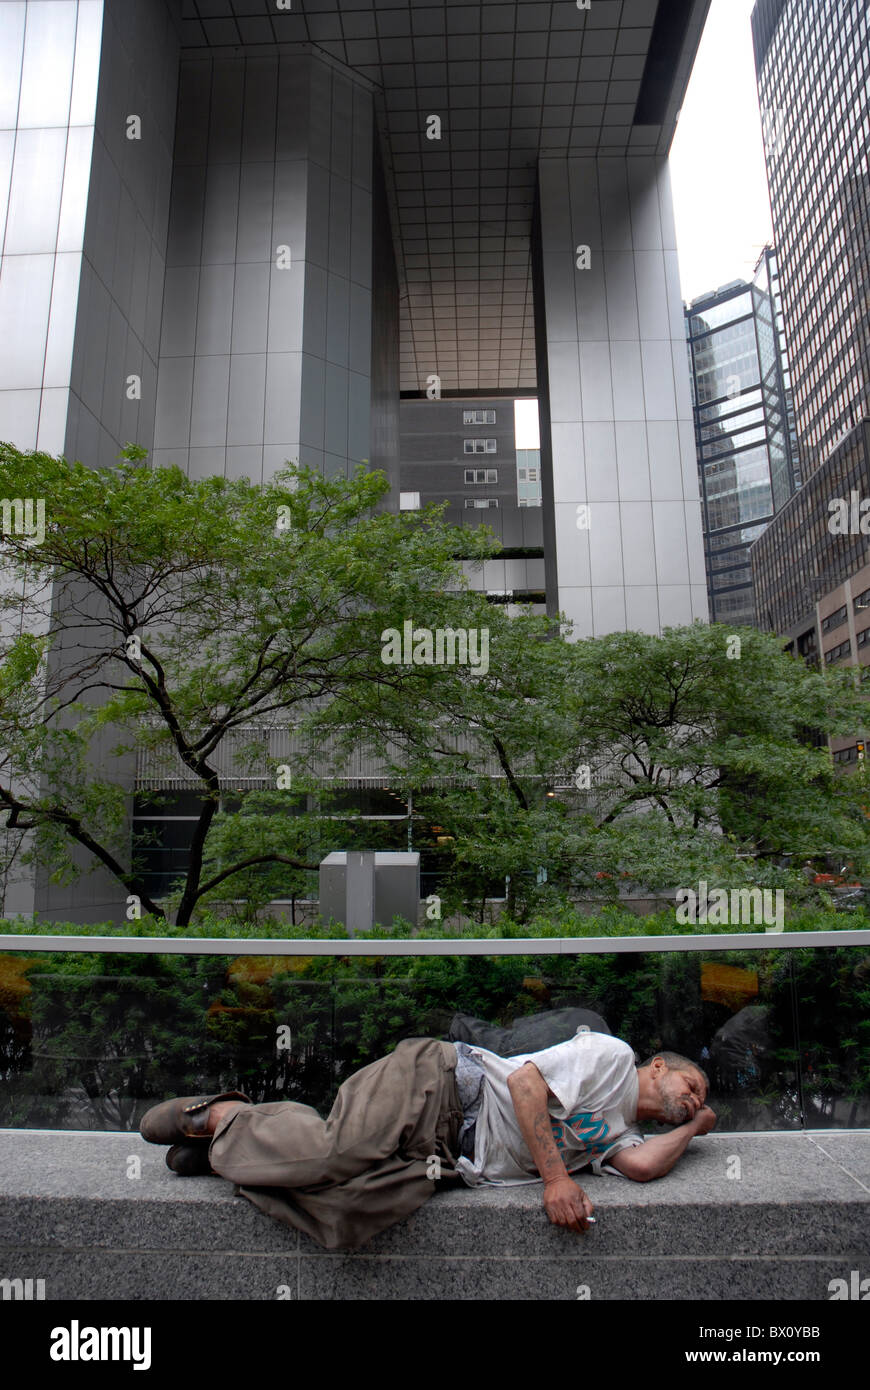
[91, 1041]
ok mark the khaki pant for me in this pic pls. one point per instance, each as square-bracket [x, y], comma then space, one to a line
[344, 1179]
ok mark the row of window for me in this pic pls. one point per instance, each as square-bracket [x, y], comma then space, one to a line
[489, 475]
[846, 755]
[481, 446]
[478, 417]
[838, 653]
[834, 619]
[410, 501]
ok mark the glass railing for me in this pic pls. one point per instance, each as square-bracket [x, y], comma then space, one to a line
[90, 1040]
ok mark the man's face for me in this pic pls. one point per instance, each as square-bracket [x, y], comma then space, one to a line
[681, 1095]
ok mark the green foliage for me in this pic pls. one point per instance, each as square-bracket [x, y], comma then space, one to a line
[249, 603]
[683, 743]
[256, 605]
[96, 1038]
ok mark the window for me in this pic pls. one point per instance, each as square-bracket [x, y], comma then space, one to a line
[838, 653]
[478, 417]
[846, 755]
[834, 619]
[481, 475]
[409, 501]
[481, 503]
[481, 446]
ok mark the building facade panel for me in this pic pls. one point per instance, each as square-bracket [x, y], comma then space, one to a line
[611, 377]
[298, 231]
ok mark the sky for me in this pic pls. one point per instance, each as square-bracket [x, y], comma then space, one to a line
[527, 427]
[721, 200]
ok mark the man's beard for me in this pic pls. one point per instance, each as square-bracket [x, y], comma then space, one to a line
[674, 1112]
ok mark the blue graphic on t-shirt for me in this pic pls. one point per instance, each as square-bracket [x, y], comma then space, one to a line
[590, 1131]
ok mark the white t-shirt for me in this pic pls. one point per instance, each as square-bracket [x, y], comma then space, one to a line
[594, 1080]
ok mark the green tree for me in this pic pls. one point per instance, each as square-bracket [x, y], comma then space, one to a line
[172, 612]
[707, 729]
[633, 759]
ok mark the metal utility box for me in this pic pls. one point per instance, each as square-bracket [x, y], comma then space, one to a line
[364, 887]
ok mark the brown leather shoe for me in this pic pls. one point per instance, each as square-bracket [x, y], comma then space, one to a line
[175, 1121]
[189, 1160]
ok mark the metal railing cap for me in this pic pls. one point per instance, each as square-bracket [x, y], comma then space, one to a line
[421, 946]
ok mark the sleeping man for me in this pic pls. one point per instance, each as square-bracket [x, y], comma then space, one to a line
[546, 1115]
[432, 1112]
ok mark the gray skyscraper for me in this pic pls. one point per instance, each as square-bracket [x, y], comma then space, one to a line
[813, 66]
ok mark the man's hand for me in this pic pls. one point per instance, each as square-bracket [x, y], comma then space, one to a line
[705, 1120]
[566, 1204]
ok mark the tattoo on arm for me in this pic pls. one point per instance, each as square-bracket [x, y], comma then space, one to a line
[552, 1164]
[529, 1094]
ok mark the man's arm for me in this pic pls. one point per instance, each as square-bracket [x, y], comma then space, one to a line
[565, 1202]
[657, 1156]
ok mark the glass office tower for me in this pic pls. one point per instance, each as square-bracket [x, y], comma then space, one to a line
[743, 429]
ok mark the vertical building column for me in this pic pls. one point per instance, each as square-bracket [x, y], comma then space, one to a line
[132, 85]
[266, 349]
[117, 329]
[83, 206]
[623, 515]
